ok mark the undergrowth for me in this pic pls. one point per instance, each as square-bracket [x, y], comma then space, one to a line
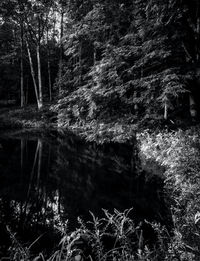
[179, 153]
[28, 117]
[114, 237]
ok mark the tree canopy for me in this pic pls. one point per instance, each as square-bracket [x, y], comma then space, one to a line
[103, 59]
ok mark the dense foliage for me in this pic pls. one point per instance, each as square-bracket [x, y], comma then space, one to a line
[131, 60]
[104, 66]
[29, 51]
[178, 152]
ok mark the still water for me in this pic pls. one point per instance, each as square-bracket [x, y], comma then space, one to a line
[46, 180]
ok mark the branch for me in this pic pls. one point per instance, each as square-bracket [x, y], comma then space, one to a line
[187, 52]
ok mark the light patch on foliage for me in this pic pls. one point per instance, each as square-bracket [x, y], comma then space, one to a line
[179, 153]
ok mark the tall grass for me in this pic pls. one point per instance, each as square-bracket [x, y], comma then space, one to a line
[117, 237]
[179, 153]
[114, 237]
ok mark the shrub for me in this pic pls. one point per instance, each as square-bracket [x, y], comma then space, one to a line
[179, 153]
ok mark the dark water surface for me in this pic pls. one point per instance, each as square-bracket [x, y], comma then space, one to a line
[46, 180]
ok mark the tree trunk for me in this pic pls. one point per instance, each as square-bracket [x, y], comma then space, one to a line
[80, 63]
[39, 163]
[165, 111]
[61, 53]
[33, 75]
[197, 40]
[22, 155]
[50, 85]
[22, 67]
[197, 31]
[49, 67]
[39, 76]
[26, 100]
[193, 111]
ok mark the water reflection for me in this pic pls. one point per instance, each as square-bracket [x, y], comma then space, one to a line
[45, 181]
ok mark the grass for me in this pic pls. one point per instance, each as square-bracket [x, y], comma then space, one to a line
[28, 117]
[114, 237]
[179, 153]
[115, 130]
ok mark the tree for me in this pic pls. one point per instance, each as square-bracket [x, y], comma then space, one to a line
[129, 59]
[140, 63]
[37, 24]
[9, 51]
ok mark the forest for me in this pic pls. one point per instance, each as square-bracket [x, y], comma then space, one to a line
[91, 61]
[111, 71]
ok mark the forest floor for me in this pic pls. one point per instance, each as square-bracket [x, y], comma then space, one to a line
[101, 131]
[114, 130]
[28, 117]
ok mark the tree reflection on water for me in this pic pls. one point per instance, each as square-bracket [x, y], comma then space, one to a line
[46, 181]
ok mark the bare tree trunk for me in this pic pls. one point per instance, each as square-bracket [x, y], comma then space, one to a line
[49, 67]
[26, 100]
[33, 75]
[39, 76]
[50, 85]
[198, 31]
[165, 111]
[22, 155]
[54, 27]
[61, 52]
[22, 67]
[39, 163]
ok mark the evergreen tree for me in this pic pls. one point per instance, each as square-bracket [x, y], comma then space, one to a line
[139, 63]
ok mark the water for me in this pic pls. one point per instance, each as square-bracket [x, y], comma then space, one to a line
[46, 180]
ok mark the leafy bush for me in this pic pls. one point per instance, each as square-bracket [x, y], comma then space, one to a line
[179, 153]
[114, 237]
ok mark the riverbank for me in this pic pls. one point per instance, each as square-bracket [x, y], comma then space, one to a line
[101, 131]
[28, 117]
[177, 151]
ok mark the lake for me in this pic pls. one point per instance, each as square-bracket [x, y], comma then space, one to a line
[47, 180]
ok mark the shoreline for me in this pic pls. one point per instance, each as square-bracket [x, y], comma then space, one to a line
[177, 151]
[115, 130]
